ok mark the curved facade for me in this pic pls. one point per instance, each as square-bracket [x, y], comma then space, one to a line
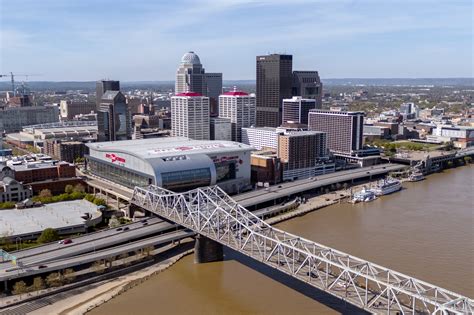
[175, 163]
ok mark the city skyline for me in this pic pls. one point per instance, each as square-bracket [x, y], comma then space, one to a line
[144, 41]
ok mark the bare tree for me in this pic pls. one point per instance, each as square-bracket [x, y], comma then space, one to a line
[98, 267]
[20, 288]
[38, 284]
[69, 275]
[54, 279]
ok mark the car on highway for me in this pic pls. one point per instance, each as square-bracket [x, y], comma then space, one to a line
[119, 229]
[145, 223]
[65, 241]
[42, 266]
[126, 228]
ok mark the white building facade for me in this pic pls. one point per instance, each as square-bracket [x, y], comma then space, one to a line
[260, 137]
[240, 108]
[190, 116]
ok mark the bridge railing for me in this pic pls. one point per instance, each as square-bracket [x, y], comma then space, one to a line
[211, 212]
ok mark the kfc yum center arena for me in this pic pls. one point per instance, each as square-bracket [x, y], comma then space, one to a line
[175, 163]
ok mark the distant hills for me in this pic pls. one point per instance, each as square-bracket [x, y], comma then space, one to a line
[90, 85]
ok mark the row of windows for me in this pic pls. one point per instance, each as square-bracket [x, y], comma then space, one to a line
[185, 180]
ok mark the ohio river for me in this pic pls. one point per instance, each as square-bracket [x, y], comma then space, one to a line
[426, 230]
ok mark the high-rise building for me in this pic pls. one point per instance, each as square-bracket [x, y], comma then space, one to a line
[192, 77]
[113, 118]
[239, 107]
[303, 154]
[70, 108]
[13, 119]
[274, 83]
[190, 116]
[213, 90]
[296, 109]
[260, 138]
[103, 86]
[307, 84]
[344, 129]
[220, 129]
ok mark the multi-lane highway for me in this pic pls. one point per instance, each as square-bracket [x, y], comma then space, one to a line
[298, 186]
[89, 243]
[33, 267]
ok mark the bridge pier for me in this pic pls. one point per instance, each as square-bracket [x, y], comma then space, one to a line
[207, 250]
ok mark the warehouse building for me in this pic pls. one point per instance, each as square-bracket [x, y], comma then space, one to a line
[175, 163]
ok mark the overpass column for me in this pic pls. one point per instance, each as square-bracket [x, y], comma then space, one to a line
[207, 250]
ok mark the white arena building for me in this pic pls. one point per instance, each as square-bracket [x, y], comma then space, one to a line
[175, 163]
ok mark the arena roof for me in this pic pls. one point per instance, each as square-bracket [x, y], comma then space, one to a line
[163, 147]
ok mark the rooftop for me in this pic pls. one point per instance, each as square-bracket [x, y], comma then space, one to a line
[35, 220]
[189, 94]
[163, 147]
[190, 58]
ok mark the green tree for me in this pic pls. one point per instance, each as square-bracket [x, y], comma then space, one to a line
[98, 267]
[113, 222]
[68, 189]
[45, 193]
[69, 275]
[54, 279]
[79, 188]
[89, 197]
[100, 202]
[48, 235]
[20, 288]
[38, 284]
[467, 159]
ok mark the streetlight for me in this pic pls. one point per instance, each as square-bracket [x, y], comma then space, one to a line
[16, 242]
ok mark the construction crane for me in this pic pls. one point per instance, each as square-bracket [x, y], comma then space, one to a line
[12, 76]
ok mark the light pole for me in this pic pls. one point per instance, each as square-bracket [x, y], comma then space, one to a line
[16, 242]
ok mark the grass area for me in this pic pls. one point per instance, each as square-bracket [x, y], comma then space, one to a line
[393, 146]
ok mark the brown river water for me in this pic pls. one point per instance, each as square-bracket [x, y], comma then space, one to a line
[426, 231]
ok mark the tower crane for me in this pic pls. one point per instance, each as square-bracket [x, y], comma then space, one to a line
[12, 78]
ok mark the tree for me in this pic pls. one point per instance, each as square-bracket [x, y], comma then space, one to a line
[345, 185]
[124, 258]
[69, 275]
[45, 193]
[113, 222]
[100, 202]
[89, 197]
[79, 188]
[98, 267]
[54, 279]
[20, 288]
[467, 159]
[147, 250]
[48, 235]
[38, 284]
[68, 189]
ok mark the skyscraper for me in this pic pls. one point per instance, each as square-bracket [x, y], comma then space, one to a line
[190, 116]
[113, 118]
[213, 90]
[296, 109]
[239, 107]
[274, 83]
[308, 85]
[344, 129]
[192, 77]
[103, 86]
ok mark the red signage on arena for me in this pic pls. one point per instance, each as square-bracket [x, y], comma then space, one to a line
[114, 158]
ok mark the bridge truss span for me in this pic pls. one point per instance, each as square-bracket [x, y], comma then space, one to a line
[212, 213]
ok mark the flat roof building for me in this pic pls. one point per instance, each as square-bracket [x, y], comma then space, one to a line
[296, 109]
[190, 116]
[175, 163]
[240, 108]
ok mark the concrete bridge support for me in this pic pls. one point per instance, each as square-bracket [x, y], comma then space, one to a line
[207, 250]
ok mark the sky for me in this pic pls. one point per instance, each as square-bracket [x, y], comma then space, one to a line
[143, 40]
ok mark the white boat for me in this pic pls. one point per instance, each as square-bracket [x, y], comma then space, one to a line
[415, 177]
[365, 195]
[387, 186]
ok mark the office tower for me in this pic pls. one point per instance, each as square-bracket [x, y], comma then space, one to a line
[220, 129]
[190, 75]
[296, 109]
[190, 116]
[274, 83]
[103, 86]
[308, 85]
[71, 108]
[113, 118]
[303, 154]
[344, 129]
[240, 108]
[213, 90]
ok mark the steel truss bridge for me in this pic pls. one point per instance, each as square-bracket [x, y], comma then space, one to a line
[212, 213]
